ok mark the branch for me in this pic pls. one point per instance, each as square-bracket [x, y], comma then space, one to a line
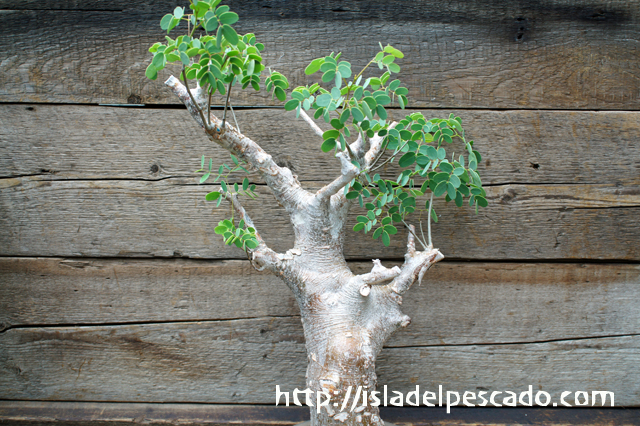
[262, 257]
[378, 275]
[416, 263]
[317, 130]
[357, 147]
[348, 173]
[280, 180]
[375, 148]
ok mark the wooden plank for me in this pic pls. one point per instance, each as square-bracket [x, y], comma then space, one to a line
[241, 361]
[170, 218]
[73, 142]
[92, 413]
[557, 54]
[458, 303]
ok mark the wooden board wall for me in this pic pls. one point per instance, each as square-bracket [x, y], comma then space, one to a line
[113, 286]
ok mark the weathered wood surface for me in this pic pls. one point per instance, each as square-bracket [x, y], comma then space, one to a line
[92, 413]
[170, 218]
[241, 361]
[534, 147]
[458, 303]
[557, 54]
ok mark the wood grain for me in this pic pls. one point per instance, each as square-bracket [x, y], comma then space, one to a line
[554, 54]
[170, 218]
[458, 303]
[534, 147]
[241, 361]
[92, 413]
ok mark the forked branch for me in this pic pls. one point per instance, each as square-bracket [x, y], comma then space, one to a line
[416, 263]
[280, 180]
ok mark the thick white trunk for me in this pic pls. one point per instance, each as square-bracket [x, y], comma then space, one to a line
[346, 317]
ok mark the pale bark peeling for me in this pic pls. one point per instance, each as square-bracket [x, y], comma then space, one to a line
[346, 317]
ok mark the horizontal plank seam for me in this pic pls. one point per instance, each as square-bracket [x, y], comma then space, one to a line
[567, 261]
[63, 10]
[194, 321]
[126, 324]
[262, 184]
[251, 107]
[524, 342]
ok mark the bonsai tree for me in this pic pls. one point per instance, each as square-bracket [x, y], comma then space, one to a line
[346, 317]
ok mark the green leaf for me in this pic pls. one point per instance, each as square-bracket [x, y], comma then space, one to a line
[446, 167]
[407, 159]
[441, 153]
[432, 153]
[377, 233]
[357, 114]
[441, 188]
[358, 227]
[252, 243]
[230, 34]
[291, 105]
[280, 94]
[331, 134]
[151, 72]
[205, 177]
[382, 113]
[324, 100]
[212, 196]
[344, 116]
[394, 68]
[229, 18]
[328, 76]
[362, 219]
[314, 66]
[166, 21]
[386, 240]
[351, 195]
[482, 202]
[221, 229]
[328, 145]
[392, 230]
[451, 191]
[178, 12]
[455, 181]
[184, 58]
[211, 25]
[245, 184]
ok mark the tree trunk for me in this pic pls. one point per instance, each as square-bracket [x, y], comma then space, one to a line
[346, 317]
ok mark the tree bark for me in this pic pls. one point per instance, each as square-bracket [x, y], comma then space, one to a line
[346, 317]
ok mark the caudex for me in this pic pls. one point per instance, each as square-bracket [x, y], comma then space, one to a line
[346, 317]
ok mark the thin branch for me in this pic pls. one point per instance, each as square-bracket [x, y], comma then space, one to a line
[348, 173]
[376, 149]
[411, 229]
[262, 257]
[195, 104]
[224, 116]
[390, 158]
[234, 117]
[209, 107]
[429, 223]
[317, 130]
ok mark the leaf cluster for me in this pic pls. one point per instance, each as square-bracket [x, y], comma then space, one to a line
[217, 57]
[242, 236]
